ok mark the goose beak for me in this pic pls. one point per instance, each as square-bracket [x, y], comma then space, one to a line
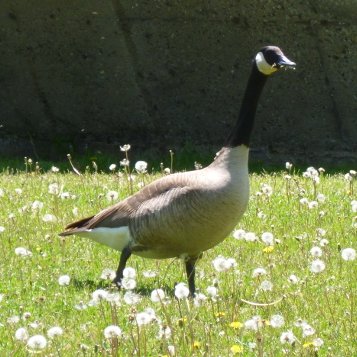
[284, 62]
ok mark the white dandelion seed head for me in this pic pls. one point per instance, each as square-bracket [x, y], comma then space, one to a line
[313, 204]
[130, 298]
[36, 205]
[252, 346]
[222, 264]
[250, 237]
[54, 169]
[212, 291]
[348, 177]
[21, 334]
[37, 343]
[199, 299]
[277, 321]
[13, 320]
[64, 280]
[171, 350]
[354, 206]
[254, 323]
[239, 234]
[316, 252]
[75, 211]
[258, 272]
[266, 285]
[124, 162]
[320, 232]
[18, 191]
[287, 338]
[53, 188]
[181, 291]
[164, 332]
[113, 298]
[307, 330]
[55, 331]
[143, 318]
[99, 294]
[268, 238]
[112, 331]
[49, 218]
[261, 215]
[304, 201]
[318, 342]
[112, 167]
[157, 295]
[317, 266]
[128, 283]
[108, 274]
[321, 198]
[141, 166]
[2, 229]
[324, 242]
[125, 147]
[65, 195]
[129, 272]
[266, 189]
[293, 279]
[348, 254]
[23, 252]
[80, 306]
[112, 195]
[288, 165]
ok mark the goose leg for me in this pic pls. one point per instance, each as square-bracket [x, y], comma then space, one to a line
[125, 255]
[190, 271]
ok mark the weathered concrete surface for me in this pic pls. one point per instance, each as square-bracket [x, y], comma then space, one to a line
[92, 74]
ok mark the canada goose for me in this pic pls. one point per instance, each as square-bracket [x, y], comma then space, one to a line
[184, 214]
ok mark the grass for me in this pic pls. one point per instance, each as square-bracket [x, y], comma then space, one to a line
[238, 321]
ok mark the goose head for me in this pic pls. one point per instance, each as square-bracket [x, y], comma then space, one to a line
[270, 59]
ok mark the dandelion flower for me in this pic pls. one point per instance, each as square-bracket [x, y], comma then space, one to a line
[12, 320]
[235, 349]
[55, 332]
[250, 237]
[36, 205]
[128, 283]
[304, 201]
[108, 274]
[266, 189]
[2, 229]
[293, 279]
[354, 206]
[53, 189]
[131, 298]
[129, 273]
[37, 343]
[259, 272]
[143, 318]
[18, 191]
[266, 285]
[141, 166]
[124, 162]
[348, 254]
[21, 334]
[64, 280]
[323, 242]
[287, 337]
[112, 167]
[312, 204]
[171, 350]
[65, 195]
[253, 324]
[54, 169]
[112, 195]
[157, 295]
[23, 252]
[236, 325]
[50, 218]
[164, 332]
[239, 234]
[316, 252]
[268, 238]
[222, 264]
[307, 330]
[318, 342]
[277, 321]
[288, 165]
[112, 331]
[317, 266]
[181, 291]
[125, 147]
[99, 294]
[212, 291]
[321, 198]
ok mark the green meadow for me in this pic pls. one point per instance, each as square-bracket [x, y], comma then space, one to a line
[282, 284]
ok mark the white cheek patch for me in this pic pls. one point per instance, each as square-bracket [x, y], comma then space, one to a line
[116, 238]
[263, 65]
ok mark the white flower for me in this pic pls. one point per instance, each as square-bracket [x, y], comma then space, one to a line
[18, 191]
[288, 165]
[250, 237]
[323, 242]
[124, 162]
[125, 147]
[317, 266]
[112, 195]
[316, 252]
[21, 334]
[181, 291]
[293, 279]
[64, 280]
[54, 169]
[129, 273]
[239, 234]
[318, 342]
[164, 332]
[304, 201]
[258, 272]
[321, 232]
[212, 291]
[266, 285]
[143, 318]
[277, 321]
[348, 177]
[53, 188]
[112, 331]
[2, 229]
[108, 274]
[54, 332]
[313, 204]
[348, 254]
[253, 324]
[321, 198]
[37, 342]
[99, 294]
[36, 205]
[307, 330]
[80, 306]
[131, 298]
[287, 337]
[23, 252]
[171, 350]
[157, 295]
[266, 189]
[112, 167]
[65, 195]
[268, 238]
[199, 299]
[49, 218]
[354, 206]
[12, 320]
[128, 283]
[141, 166]
[222, 264]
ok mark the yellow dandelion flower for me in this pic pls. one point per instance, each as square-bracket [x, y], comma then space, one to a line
[236, 349]
[220, 314]
[308, 344]
[268, 249]
[196, 345]
[236, 324]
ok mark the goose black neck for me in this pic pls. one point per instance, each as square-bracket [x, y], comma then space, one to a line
[242, 130]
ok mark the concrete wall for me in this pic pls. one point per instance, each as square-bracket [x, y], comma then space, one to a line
[95, 74]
